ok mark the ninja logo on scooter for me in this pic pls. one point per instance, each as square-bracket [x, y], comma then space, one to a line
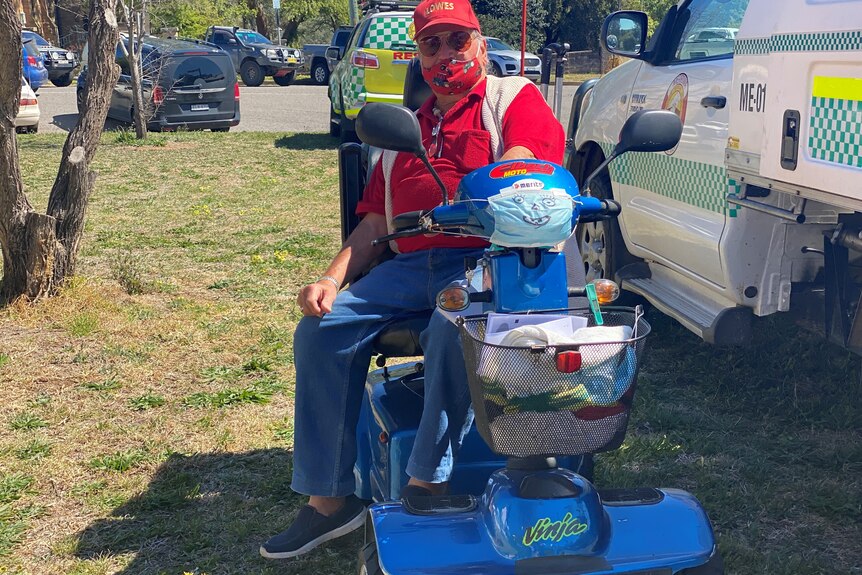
[545, 530]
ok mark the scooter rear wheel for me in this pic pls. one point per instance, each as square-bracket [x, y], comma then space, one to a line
[715, 566]
[368, 562]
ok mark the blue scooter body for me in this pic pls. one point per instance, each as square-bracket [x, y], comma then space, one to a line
[520, 521]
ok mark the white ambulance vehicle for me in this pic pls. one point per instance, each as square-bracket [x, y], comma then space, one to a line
[758, 210]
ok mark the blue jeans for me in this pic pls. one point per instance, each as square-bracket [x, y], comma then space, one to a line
[332, 355]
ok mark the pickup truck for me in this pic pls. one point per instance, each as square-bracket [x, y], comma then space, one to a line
[255, 56]
[759, 209]
[319, 66]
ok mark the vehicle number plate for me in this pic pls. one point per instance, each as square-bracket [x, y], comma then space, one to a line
[291, 60]
[200, 107]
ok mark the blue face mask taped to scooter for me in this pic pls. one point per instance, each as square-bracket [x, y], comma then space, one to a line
[531, 219]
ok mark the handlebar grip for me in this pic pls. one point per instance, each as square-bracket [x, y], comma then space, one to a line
[609, 209]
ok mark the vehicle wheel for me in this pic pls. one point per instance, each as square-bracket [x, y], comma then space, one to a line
[334, 123]
[320, 73]
[34, 129]
[368, 562]
[251, 73]
[62, 81]
[286, 79]
[221, 129]
[79, 99]
[715, 566]
[495, 70]
[601, 243]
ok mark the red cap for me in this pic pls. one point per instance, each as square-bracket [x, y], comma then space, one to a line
[435, 12]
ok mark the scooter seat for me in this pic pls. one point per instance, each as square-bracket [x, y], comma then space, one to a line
[401, 337]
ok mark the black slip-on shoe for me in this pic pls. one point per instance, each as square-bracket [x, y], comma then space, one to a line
[311, 528]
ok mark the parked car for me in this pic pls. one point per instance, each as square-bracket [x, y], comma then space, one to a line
[33, 66]
[506, 60]
[58, 61]
[373, 66]
[185, 84]
[27, 119]
[319, 66]
[255, 56]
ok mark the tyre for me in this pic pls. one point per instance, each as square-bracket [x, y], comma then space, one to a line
[334, 123]
[286, 79]
[368, 562]
[62, 81]
[715, 566]
[601, 243]
[251, 73]
[34, 129]
[320, 72]
[495, 70]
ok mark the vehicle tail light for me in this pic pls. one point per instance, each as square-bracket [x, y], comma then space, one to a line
[31, 60]
[365, 60]
[28, 102]
[158, 95]
[236, 92]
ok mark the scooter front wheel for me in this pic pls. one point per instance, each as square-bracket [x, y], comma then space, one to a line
[368, 562]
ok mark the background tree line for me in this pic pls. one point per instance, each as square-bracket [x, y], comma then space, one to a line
[577, 22]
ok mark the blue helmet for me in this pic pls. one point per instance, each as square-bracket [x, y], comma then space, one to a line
[488, 181]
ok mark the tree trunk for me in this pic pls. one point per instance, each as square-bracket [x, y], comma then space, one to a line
[39, 250]
[140, 111]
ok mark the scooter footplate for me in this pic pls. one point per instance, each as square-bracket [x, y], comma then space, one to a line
[659, 538]
[439, 504]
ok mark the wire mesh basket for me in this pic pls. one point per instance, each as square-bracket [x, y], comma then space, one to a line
[566, 399]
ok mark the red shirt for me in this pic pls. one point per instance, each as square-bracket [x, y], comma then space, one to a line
[463, 145]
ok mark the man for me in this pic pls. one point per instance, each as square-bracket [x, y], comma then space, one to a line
[332, 344]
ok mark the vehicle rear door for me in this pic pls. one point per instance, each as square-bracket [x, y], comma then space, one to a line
[388, 40]
[122, 95]
[675, 201]
[198, 87]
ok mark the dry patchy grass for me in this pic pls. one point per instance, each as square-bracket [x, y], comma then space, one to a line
[147, 409]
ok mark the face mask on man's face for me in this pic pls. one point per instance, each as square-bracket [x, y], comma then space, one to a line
[452, 77]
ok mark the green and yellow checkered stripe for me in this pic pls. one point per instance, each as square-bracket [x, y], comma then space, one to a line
[384, 32]
[354, 88]
[824, 42]
[701, 185]
[835, 124]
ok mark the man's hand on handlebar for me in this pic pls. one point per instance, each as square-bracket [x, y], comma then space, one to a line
[316, 299]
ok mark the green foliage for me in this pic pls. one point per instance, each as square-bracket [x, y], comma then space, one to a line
[121, 460]
[146, 401]
[27, 421]
[193, 17]
[36, 449]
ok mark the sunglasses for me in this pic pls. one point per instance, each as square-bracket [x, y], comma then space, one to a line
[459, 41]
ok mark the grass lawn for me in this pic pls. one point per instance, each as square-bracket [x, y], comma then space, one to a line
[146, 410]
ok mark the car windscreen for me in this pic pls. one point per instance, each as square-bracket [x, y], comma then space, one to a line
[249, 37]
[206, 71]
[31, 49]
[27, 35]
[497, 45]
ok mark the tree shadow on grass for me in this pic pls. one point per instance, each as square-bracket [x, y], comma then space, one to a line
[307, 141]
[209, 513]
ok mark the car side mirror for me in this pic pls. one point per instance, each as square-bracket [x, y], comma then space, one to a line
[390, 127]
[333, 53]
[624, 33]
[231, 42]
[649, 131]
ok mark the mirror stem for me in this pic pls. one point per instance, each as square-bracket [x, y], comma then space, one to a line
[424, 158]
[598, 170]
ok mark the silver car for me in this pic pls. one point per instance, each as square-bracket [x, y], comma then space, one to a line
[506, 60]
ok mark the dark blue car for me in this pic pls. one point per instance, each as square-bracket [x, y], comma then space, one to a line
[33, 68]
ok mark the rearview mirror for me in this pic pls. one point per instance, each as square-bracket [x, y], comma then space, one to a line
[333, 53]
[644, 131]
[624, 33]
[649, 131]
[389, 127]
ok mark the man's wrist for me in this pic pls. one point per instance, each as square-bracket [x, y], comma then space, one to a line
[330, 279]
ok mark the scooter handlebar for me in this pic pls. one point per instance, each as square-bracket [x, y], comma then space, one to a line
[599, 210]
